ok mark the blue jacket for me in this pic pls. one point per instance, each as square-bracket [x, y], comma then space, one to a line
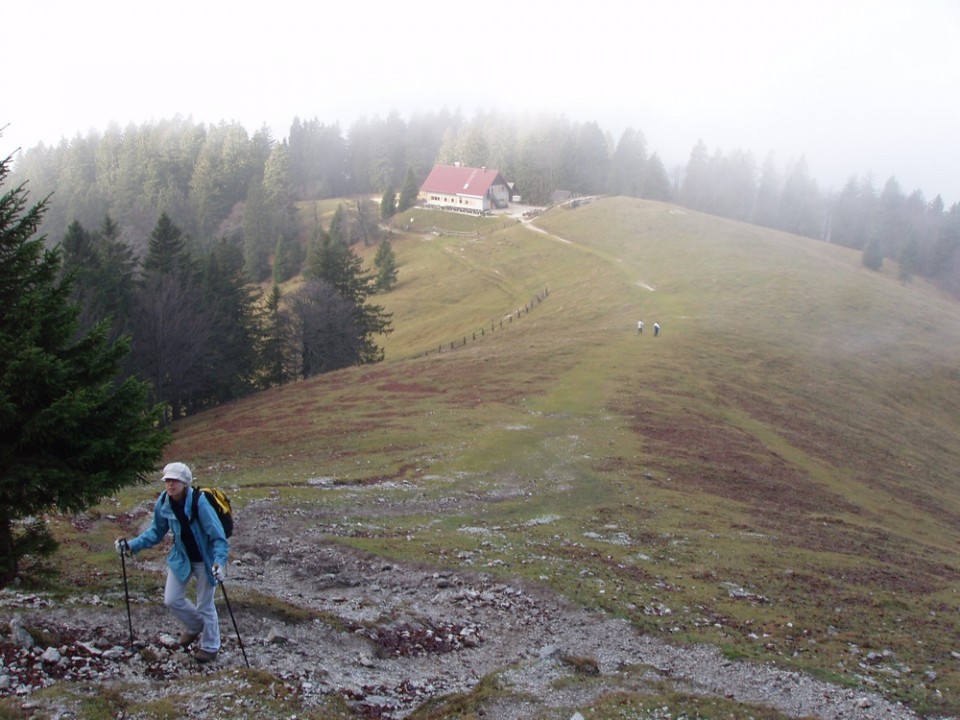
[208, 533]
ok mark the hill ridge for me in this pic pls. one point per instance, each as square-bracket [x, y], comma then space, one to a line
[773, 475]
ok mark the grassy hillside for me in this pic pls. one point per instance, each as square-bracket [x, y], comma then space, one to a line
[775, 473]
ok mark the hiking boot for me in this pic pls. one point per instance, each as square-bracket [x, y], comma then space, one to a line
[204, 656]
[187, 638]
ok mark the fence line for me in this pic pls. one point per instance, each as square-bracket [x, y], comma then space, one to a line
[494, 326]
[456, 233]
[440, 232]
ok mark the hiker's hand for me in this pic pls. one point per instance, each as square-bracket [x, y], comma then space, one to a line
[219, 574]
[123, 548]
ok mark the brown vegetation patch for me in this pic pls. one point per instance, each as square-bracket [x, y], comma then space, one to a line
[400, 387]
[417, 640]
[804, 585]
[906, 490]
[612, 464]
[882, 578]
[497, 385]
[714, 458]
[877, 560]
[837, 439]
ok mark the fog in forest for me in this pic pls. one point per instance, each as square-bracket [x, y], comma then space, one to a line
[857, 88]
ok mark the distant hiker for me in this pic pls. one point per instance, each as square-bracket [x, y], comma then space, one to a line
[640, 328]
[199, 549]
[656, 329]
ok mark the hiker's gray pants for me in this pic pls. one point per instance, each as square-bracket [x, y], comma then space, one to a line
[201, 617]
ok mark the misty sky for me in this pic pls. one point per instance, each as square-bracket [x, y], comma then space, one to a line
[855, 86]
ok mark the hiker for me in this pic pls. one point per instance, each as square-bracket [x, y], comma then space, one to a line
[640, 328]
[656, 329]
[199, 549]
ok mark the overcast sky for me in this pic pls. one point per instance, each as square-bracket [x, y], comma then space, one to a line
[856, 86]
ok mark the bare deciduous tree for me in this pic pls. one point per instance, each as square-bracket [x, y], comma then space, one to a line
[327, 327]
[172, 332]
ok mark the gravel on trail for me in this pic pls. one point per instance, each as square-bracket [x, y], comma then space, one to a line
[403, 635]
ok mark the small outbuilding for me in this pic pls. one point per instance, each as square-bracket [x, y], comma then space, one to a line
[465, 189]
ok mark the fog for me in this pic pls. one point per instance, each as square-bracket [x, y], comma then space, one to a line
[856, 87]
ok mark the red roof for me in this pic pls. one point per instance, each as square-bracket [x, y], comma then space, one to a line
[453, 180]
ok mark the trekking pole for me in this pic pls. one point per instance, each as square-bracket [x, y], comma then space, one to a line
[234, 621]
[126, 590]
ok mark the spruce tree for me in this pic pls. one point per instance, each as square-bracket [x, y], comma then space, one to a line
[909, 259]
[386, 263]
[339, 226]
[628, 164]
[101, 267]
[408, 192]
[281, 261]
[116, 284]
[872, 255]
[80, 262]
[342, 270]
[277, 341]
[257, 233]
[167, 251]
[236, 334]
[388, 203]
[71, 431]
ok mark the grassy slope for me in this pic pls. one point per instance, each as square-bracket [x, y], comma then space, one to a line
[775, 473]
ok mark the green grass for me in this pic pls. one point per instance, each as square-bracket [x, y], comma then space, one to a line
[777, 469]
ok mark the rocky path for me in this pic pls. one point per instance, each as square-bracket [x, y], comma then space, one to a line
[390, 637]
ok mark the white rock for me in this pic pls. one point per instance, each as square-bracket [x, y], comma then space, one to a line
[276, 636]
[19, 635]
[549, 651]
